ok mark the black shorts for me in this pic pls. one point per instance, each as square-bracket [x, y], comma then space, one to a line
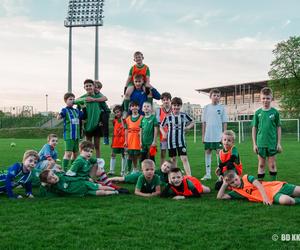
[177, 151]
[97, 132]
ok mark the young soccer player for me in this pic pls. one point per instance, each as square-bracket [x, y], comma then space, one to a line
[132, 137]
[148, 132]
[138, 69]
[71, 117]
[148, 184]
[91, 126]
[229, 158]
[177, 123]
[63, 185]
[181, 187]
[48, 154]
[266, 135]
[19, 174]
[105, 113]
[214, 122]
[267, 192]
[161, 113]
[133, 177]
[118, 140]
[139, 95]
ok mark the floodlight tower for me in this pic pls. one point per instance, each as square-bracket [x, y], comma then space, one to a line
[84, 13]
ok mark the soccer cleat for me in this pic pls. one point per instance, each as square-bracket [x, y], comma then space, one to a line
[206, 177]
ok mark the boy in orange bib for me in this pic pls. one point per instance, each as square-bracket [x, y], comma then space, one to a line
[268, 192]
[181, 187]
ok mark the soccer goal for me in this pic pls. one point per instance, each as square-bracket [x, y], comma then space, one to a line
[243, 129]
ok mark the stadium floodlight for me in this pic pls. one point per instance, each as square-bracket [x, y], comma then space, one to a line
[83, 13]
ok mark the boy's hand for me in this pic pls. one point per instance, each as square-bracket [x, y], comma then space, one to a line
[125, 145]
[255, 149]
[279, 148]
[266, 201]
[90, 99]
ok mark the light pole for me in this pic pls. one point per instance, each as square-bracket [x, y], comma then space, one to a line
[47, 103]
[83, 13]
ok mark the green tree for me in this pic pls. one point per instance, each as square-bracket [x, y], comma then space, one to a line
[285, 75]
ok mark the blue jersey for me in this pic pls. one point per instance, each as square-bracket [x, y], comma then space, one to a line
[139, 96]
[46, 152]
[71, 118]
[15, 177]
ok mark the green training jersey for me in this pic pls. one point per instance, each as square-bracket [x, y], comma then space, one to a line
[147, 125]
[71, 119]
[145, 186]
[82, 167]
[266, 123]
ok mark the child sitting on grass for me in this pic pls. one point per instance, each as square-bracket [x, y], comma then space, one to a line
[19, 174]
[133, 177]
[229, 158]
[267, 192]
[63, 185]
[181, 187]
[148, 184]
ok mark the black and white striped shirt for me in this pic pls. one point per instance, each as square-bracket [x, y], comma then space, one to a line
[176, 125]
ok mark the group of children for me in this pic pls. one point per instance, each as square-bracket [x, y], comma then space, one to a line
[136, 128]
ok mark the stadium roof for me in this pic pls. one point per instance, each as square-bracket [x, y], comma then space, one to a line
[256, 86]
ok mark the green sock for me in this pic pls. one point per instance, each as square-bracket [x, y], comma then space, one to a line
[65, 164]
[126, 105]
[129, 165]
[297, 200]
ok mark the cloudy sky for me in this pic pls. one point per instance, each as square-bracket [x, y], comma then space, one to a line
[187, 45]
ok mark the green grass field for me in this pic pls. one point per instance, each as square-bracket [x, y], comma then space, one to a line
[130, 222]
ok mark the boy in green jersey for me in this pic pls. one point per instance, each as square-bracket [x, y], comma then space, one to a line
[63, 185]
[148, 184]
[266, 134]
[149, 130]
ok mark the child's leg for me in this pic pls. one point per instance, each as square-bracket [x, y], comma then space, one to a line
[97, 145]
[117, 179]
[186, 164]
[163, 153]
[207, 164]
[272, 167]
[261, 168]
[296, 192]
[66, 160]
[129, 163]
[105, 128]
[124, 164]
[135, 163]
[127, 95]
[106, 192]
[112, 163]
[103, 178]
[286, 200]
[174, 161]
[206, 189]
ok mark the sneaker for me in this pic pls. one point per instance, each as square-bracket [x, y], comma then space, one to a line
[111, 173]
[206, 177]
[106, 141]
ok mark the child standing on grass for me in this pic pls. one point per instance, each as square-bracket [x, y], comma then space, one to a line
[229, 158]
[177, 123]
[181, 187]
[71, 118]
[63, 185]
[267, 192]
[266, 135]
[118, 140]
[91, 126]
[132, 137]
[19, 174]
[161, 113]
[105, 113]
[214, 122]
[138, 69]
[148, 132]
[148, 184]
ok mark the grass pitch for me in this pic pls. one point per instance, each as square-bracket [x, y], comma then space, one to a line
[130, 222]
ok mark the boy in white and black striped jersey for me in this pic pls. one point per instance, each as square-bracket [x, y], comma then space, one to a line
[177, 123]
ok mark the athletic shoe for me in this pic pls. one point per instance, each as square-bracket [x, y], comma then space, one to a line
[206, 177]
[111, 173]
[106, 141]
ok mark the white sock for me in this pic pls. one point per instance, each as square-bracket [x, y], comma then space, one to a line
[124, 164]
[112, 164]
[208, 163]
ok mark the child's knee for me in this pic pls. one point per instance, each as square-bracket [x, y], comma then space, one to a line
[286, 200]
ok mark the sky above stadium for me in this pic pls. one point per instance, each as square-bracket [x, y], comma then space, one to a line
[187, 44]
